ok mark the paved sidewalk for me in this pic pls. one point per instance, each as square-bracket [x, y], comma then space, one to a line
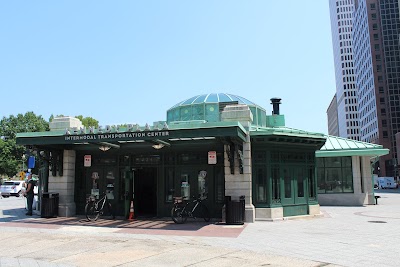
[344, 236]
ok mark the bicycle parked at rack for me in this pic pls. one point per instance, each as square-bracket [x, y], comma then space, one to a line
[95, 208]
[183, 209]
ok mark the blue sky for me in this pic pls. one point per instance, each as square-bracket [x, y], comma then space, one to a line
[130, 61]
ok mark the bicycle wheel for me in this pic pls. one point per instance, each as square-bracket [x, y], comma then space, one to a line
[177, 215]
[205, 213]
[91, 212]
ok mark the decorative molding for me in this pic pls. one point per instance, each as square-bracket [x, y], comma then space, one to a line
[240, 157]
[55, 161]
[230, 152]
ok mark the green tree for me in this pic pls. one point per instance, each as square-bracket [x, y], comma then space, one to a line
[88, 121]
[10, 152]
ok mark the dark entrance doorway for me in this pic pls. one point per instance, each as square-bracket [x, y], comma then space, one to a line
[145, 185]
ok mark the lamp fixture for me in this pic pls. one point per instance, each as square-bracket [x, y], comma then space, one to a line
[158, 146]
[104, 148]
[110, 145]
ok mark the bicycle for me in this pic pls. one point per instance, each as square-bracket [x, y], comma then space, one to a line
[181, 211]
[94, 208]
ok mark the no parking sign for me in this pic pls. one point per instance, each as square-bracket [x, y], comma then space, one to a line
[87, 161]
[212, 157]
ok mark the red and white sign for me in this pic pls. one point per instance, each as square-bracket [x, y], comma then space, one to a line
[212, 157]
[88, 161]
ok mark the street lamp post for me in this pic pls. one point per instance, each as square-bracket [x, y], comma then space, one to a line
[23, 162]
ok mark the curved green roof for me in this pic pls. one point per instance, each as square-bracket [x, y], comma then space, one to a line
[339, 147]
[214, 98]
[207, 107]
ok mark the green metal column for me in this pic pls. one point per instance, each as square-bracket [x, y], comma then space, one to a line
[129, 190]
[43, 177]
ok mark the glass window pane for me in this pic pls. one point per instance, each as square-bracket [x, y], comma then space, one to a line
[347, 180]
[219, 185]
[333, 180]
[169, 184]
[185, 186]
[321, 180]
[275, 156]
[202, 184]
[346, 161]
[199, 158]
[261, 184]
[300, 182]
[287, 183]
[320, 162]
[311, 190]
[169, 158]
[110, 183]
[275, 183]
[332, 162]
[123, 175]
[124, 160]
[260, 157]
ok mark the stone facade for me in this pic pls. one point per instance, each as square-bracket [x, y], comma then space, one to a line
[239, 184]
[238, 113]
[65, 185]
[269, 214]
[62, 123]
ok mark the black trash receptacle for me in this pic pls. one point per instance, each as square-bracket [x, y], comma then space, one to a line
[235, 210]
[49, 205]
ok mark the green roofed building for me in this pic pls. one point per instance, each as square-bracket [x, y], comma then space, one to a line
[216, 146]
[344, 171]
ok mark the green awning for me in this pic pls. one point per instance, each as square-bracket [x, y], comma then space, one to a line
[175, 132]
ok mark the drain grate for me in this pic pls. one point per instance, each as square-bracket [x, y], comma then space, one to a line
[377, 221]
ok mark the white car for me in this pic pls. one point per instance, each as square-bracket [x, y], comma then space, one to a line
[12, 188]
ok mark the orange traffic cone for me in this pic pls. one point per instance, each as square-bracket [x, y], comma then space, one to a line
[131, 212]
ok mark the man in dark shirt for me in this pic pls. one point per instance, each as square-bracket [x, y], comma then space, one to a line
[29, 194]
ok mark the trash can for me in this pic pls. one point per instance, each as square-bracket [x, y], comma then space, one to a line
[49, 205]
[235, 210]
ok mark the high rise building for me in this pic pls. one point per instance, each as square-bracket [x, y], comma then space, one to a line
[332, 114]
[377, 64]
[341, 13]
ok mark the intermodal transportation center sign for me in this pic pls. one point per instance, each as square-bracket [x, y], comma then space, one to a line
[126, 136]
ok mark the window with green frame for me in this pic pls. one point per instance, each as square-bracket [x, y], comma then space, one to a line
[261, 183]
[169, 184]
[334, 175]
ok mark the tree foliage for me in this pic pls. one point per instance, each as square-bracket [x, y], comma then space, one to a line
[88, 121]
[11, 153]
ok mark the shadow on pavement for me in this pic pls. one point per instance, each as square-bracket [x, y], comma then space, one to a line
[13, 215]
[157, 226]
[141, 223]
